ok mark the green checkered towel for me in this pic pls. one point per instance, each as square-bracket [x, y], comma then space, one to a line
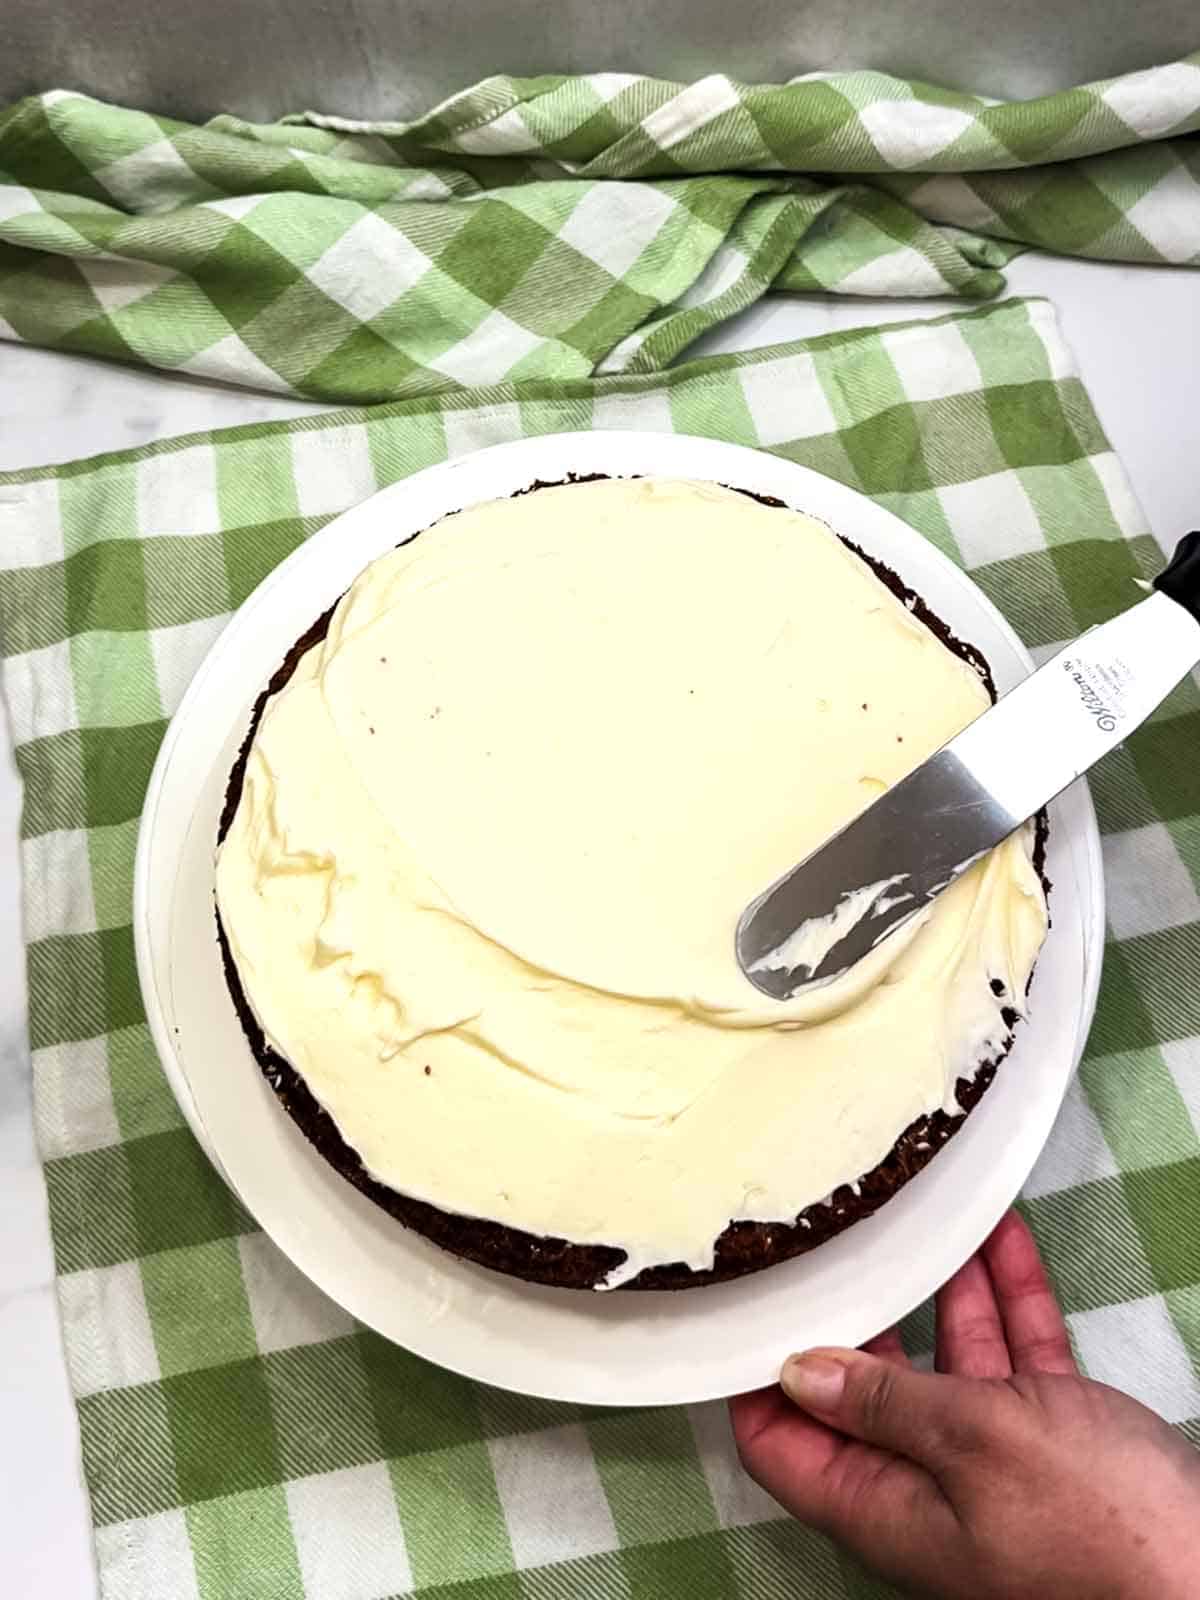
[559, 227]
[242, 1438]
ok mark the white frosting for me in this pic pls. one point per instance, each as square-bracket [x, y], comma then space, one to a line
[806, 947]
[496, 832]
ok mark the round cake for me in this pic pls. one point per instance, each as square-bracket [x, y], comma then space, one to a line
[486, 844]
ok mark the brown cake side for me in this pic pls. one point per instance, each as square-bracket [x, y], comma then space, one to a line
[743, 1246]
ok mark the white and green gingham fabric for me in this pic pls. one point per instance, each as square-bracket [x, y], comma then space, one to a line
[243, 1438]
[559, 227]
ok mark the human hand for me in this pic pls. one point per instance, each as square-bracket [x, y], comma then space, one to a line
[1004, 1475]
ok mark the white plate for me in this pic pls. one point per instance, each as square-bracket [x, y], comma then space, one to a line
[641, 1348]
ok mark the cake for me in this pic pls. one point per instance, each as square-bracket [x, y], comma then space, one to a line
[486, 844]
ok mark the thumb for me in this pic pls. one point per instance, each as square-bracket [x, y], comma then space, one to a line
[929, 1419]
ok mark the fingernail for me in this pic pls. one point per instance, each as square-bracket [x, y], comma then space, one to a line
[814, 1382]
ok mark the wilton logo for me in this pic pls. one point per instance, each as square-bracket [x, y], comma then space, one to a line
[1105, 717]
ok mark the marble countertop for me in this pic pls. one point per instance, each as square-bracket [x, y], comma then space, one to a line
[1134, 330]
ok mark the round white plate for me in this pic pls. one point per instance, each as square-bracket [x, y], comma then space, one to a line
[640, 1348]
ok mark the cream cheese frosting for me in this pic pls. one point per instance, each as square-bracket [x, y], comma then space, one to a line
[496, 831]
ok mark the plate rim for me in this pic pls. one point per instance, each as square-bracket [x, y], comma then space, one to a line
[464, 471]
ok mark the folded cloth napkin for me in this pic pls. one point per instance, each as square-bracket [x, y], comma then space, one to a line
[242, 1437]
[559, 227]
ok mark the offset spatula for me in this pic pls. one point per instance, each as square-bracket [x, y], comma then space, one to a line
[915, 840]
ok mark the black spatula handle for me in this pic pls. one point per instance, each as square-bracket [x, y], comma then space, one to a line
[1180, 578]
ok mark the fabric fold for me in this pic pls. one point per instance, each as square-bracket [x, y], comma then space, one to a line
[558, 228]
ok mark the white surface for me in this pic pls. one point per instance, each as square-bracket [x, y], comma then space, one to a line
[609, 1349]
[1135, 331]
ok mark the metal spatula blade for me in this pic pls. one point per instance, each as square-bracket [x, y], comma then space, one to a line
[865, 882]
